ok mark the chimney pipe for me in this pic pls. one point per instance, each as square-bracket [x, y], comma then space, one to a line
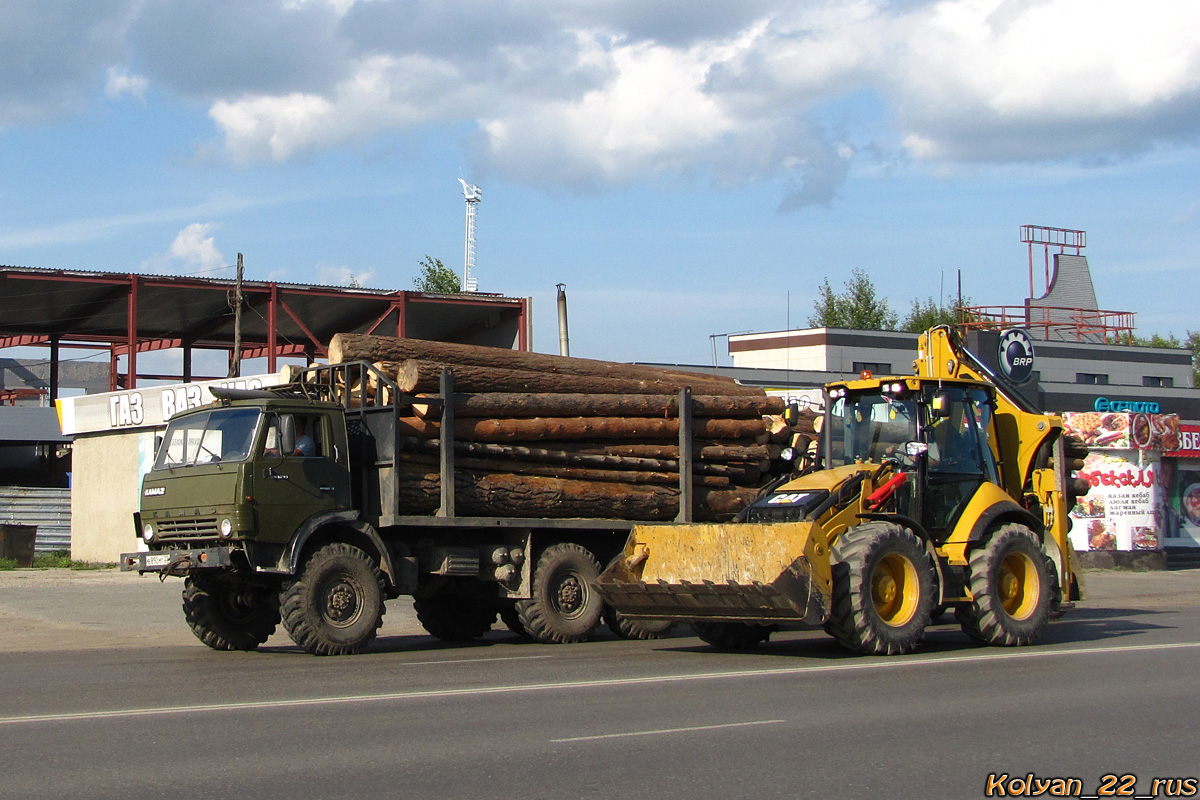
[564, 344]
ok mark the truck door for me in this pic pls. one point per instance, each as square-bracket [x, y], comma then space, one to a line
[960, 458]
[292, 487]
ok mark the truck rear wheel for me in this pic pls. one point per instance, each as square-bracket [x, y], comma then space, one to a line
[229, 616]
[335, 607]
[564, 607]
[628, 628]
[883, 589]
[458, 613]
[733, 635]
[1011, 581]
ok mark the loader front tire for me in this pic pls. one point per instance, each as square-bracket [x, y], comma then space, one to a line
[458, 613]
[335, 607]
[733, 635]
[229, 616]
[563, 608]
[883, 589]
[1014, 589]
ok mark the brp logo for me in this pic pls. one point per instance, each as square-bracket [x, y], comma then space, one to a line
[1016, 354]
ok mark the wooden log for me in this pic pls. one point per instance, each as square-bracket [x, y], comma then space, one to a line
[532, 496]
[419, 375]
[578, 404]
[707, 451]
[568, 428]
[743, 473]
[364, 347]
[498, 466]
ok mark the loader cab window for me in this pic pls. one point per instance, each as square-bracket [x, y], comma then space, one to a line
[870, 427]
[958, 430]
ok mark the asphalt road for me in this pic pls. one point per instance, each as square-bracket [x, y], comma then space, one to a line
[106, 694]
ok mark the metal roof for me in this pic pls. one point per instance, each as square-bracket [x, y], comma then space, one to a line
[109, 310]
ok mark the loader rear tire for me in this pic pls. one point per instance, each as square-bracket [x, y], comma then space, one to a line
[733, 635]
[883, 589]
[336, 606]
[1013, 585]
[563, 608]
[229, 616]
[460, 613]
[627, 628]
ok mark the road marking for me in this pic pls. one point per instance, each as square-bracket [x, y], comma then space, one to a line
[879, 663]
[669, 730]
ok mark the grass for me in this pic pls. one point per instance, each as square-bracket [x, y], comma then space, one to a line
[60, 559]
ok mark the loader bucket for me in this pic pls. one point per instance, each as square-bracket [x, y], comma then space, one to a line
[733, 572]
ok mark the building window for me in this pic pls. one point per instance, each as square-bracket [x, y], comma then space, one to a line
[1158, 382]
[874, 367]
[1092, 378]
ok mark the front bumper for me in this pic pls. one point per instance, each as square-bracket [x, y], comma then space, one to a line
[177, 562]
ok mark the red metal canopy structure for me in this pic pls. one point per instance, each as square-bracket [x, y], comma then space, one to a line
[128, 314]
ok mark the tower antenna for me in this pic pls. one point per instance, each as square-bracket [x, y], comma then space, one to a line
[473, 195]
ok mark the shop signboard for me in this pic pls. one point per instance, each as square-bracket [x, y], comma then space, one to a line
[1122, 430]
[1121, 510]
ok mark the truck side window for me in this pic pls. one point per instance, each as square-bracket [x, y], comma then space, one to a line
[309, 437]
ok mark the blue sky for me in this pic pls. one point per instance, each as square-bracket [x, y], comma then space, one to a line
[685, 169]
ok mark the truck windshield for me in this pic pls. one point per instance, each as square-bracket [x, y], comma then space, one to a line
[209, 437]
[870, 427]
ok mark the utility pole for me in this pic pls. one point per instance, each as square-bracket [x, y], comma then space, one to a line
[235, 363]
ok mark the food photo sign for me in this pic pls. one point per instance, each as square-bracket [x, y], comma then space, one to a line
[1184, 488]
[1122, 510]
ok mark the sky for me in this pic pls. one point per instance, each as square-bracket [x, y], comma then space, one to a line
[687, 170]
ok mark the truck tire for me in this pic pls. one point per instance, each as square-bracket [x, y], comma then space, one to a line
[460, 613]
[229, 616]
[733, 635]
[563, 607]
[883, 589]
[336, 606]
[627, 628]
[1013, 586]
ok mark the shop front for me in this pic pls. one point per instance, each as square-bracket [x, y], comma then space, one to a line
[1126, 508]
[1181, 481]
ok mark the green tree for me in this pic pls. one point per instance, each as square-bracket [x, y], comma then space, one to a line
[926, 314]
[1192, 342]
[857, 306]
[436, 278]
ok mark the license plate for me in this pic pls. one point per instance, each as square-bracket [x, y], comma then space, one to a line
[158, 560]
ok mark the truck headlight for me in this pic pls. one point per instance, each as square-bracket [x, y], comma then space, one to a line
[147, 532]
[226, 528]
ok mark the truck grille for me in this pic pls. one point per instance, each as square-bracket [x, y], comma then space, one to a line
[188, 528]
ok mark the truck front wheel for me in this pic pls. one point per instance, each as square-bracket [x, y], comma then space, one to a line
[563, 607]
[1013, 586]
[336, 605]
[229, 616]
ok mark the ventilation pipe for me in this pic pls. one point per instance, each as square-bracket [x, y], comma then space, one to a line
[564, 343]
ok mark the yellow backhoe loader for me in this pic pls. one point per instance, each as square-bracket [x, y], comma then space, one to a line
[943, 489]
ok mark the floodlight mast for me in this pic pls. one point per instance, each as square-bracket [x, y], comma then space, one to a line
[473, 195]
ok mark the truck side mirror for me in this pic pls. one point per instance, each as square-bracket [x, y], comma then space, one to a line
[287, 434]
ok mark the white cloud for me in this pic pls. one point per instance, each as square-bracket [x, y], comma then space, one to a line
[593, 94]
[193, 252]
[119, 83]
[330, 275]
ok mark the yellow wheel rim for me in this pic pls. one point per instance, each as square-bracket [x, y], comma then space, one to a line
[895, 590]
[1017, 585]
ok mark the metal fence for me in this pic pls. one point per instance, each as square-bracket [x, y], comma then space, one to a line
[48, 509]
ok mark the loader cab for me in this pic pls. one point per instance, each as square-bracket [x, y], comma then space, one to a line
[941, 433]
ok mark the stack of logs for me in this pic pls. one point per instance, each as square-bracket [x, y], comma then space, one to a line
[546, 436]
